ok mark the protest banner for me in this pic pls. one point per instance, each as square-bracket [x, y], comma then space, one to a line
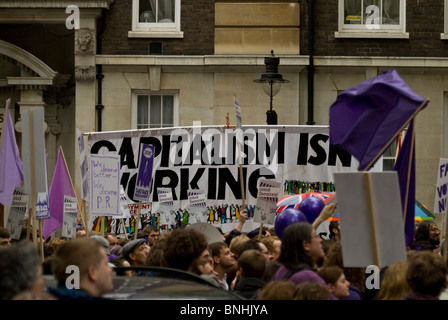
[205, 158]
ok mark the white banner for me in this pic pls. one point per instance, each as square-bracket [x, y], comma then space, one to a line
[298, 157]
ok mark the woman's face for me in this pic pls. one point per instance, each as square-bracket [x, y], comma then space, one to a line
[315, 247]
[341, 287]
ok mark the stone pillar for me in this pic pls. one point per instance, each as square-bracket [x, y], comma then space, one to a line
[85, 76]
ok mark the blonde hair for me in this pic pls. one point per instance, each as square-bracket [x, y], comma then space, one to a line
[394, 285]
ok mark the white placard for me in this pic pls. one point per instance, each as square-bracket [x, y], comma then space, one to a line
[370, 217]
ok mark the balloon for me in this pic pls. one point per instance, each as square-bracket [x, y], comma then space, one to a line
[287, 217]
[311, 207]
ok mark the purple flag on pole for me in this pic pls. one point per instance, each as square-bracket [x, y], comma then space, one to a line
[366, 118]
[11, 166]
[405, 167]
[61, 186]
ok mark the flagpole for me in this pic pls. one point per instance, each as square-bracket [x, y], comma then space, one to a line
[2, 207]
[138, 219]
[71, 183]
[422, 106]
[409, 173]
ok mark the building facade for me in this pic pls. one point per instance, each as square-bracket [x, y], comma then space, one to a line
[133, 64]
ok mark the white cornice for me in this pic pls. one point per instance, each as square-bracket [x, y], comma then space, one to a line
[258, 60]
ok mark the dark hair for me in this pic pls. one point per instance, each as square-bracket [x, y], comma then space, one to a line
[182, 247]
[422, 232]
[292, 251]
[253, 263]
[19, 268]
[331, 226]
[426, 272]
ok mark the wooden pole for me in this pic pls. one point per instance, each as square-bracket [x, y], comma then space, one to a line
[124, 228]
[138, 219]
[371, 218]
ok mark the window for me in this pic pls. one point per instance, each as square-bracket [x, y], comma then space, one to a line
[390, 155]
[444, 35]
[372, 19]
[155, 18]
[154, 110]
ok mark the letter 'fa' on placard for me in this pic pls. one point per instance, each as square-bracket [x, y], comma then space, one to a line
[371, 218]
[144, 175]
[104, 185]
[33, 150]
[442, 187]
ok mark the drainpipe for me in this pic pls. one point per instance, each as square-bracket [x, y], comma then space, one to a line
[311, 62]
[99, 75]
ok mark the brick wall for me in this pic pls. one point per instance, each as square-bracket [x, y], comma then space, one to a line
[424, 23]
[197, 24]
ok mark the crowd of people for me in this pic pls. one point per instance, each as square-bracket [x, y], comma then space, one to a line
[256, 265]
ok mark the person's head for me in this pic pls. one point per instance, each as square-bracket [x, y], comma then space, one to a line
[335, 278]
[223, 258]
[89, 256]
[80, 232]
[300, 244]
[333, 227]
[183, 249]
[20, 270]
[277, 290]
[428, 230]
[5, 237]
[236, 243]
[136, 252]
[394, 285]
[112, 239]
[311, 291]
[251, 264]
[103, 242]
[153, 235]
[426, 273]
[205, 264]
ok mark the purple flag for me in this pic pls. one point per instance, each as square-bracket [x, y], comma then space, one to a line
[11, 166]
[366, 118]
[405, 167]
[61, 186]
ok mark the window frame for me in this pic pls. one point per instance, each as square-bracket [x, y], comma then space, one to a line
[134, 105]
[155, 30]
[361, 31]
[444, 35]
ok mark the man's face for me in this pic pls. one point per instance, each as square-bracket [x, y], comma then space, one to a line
[227, 258]
[140, 254]
[5, 242]
[104, 274]
[152, 237]
[113, 240]
[434, 234]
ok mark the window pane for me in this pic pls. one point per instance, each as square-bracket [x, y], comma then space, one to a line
[372, 12]
[155, 111]
[168, 111]
[166, 11]
[142, 112]
[391, 12]
[352, 11]
[146, 14]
